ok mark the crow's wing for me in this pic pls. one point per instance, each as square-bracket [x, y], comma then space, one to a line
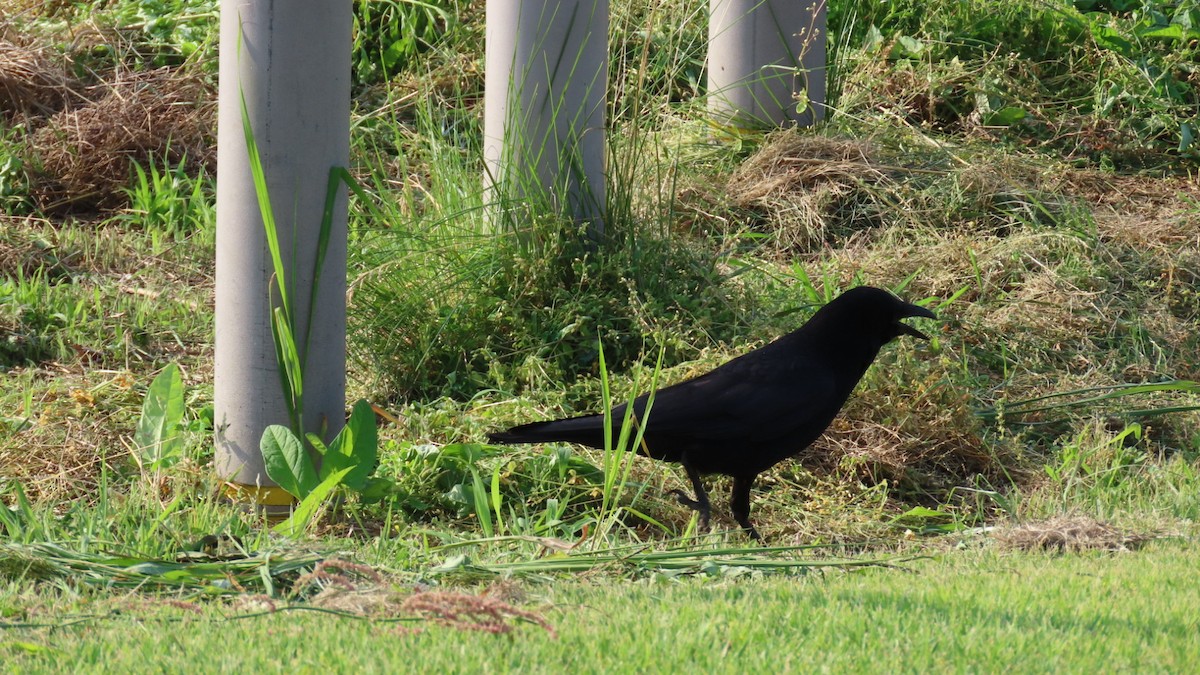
[731, 407]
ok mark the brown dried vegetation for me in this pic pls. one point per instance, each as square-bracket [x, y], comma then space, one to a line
[1070, 534]
[32, 83]
[84, 136]
[1076, 305]
[85, 154]
[362, 591]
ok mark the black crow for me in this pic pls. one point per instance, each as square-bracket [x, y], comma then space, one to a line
[758, 409]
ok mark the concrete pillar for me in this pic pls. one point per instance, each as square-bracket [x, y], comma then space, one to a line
[291, 61]
[544, 105]
[761, 55]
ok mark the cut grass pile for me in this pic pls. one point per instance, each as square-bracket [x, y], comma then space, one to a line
[84, 155]
[85, 133]
[1071, 533]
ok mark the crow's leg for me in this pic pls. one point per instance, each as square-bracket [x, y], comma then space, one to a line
[700, 503]
[739, 503]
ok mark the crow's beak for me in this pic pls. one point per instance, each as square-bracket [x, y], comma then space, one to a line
[914, 310]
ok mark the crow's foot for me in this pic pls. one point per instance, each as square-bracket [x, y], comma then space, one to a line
[702, 507]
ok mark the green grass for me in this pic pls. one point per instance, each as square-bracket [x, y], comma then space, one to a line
[975, 609]
[1023, 168]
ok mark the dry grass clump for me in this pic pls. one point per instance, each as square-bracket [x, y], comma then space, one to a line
[1049, 307]
[916, 430]
[59, 455]
[796, 181]
[812, 192]
[471, 612]
[1070, 533]
[1157, 242]
[923, 95]
[24, 252]
[1058, 293]
[84, 138]
[1150, 198]
[66, 464]
[32, 82]
[19, 565]
[360, 590]
[789, 161]
[84, 154]
[957, 97]
[15, 255]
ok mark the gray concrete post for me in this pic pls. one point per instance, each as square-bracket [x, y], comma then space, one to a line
[761, 55]
[293, 68]
[544, 106]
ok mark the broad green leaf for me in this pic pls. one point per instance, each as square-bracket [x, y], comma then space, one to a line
[1170, 32]
[873, 39]
[497, 498]
[316, 442]
[907, 47]
[1005, 117]
[157, 435]
[926, 520]
[295, 524]
[376, 489]
[9, 525]
[287, 462]
[452, 564]
[1109, 38]
[467, 453]
[1187, 134]
[356, 447]
[922, 512]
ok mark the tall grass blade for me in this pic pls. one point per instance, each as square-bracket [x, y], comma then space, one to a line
[303, 514]
[264, 207]
[291, 370]
[253, 573]
[479, 498]
[1111, 393]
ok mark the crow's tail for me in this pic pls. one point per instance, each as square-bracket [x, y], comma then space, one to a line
[587, 430]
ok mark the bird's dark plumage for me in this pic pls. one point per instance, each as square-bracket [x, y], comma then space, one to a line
[758, 409]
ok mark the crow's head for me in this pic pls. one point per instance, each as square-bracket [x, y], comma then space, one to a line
[878, 313]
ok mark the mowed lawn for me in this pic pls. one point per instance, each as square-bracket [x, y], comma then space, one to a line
[1026, 169]
[976, 610]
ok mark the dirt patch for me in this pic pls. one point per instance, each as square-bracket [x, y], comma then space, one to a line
[1071, 534]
